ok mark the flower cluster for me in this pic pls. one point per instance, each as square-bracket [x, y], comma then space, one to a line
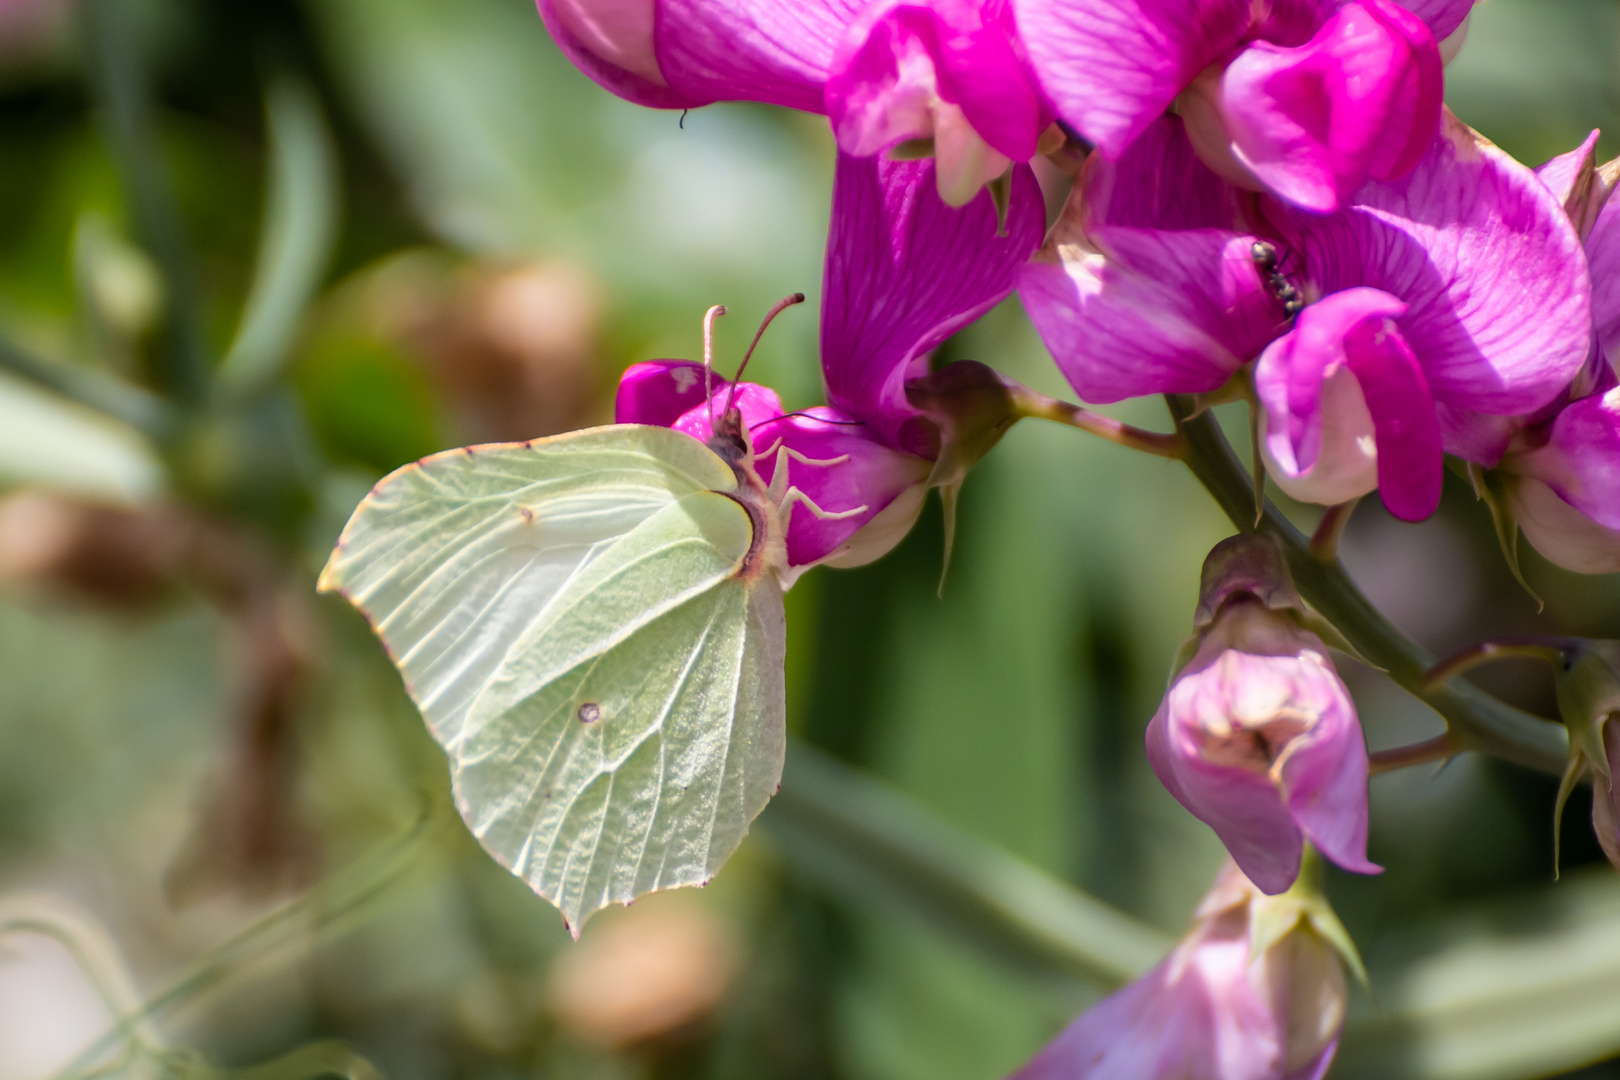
[1266, 202]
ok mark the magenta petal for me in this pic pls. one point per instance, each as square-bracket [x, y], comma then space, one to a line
[1243, 807]
[1581, 458]
[775, 51]
[1158, 183]
[641, 87]
[898, 55]
[1443, 17]
[1361, 98]
[1410, 462]
[659, 392]
[1112, 66]
[904, 272]
[1153, 312]
[840, 466]
[1487, 262]
[1603, 249]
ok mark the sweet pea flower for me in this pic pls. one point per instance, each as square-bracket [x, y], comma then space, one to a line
[1255, 991]
[1557, 478]
[946, 78]
[1257, 736]
[1306, 99]
[1378, 334]
[903, 272]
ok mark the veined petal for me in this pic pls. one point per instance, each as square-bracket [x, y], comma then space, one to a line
[1482, 253]
[1112, 66]
[904, 272]
[1159, 183]
[1361, 98]
[776, 51]
[1128, 311]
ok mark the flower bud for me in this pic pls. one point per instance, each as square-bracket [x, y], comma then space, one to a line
[1588, 683]
[1257, 736]
[1255, 991]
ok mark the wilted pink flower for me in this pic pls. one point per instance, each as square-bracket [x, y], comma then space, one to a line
[1307, 99]
[947, 77]
[1228, 1004]
[1257, 736]
[1457, 291]
[903, 272]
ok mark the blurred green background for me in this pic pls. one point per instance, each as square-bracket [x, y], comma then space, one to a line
[192, 742]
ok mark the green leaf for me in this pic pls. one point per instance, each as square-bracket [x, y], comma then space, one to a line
[571, 617]
[1527, 987]
[300, 226]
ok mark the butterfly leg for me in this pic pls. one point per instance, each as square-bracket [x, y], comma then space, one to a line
[779, 474]
[794, 495]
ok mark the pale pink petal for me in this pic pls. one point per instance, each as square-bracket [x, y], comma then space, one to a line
[1324, 774]
[1243, 807]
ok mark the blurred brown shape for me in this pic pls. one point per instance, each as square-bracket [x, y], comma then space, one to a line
[652, 972]
[511, 346]
[248, 838]
[113, 556]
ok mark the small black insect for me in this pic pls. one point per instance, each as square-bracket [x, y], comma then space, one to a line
[1269, 265]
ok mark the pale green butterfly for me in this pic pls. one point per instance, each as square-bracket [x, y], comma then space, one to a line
[592, 627]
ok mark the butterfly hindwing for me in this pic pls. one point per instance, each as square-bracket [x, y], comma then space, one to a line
[569, 617]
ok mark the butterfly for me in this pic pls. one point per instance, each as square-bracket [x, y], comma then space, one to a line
[592, 627]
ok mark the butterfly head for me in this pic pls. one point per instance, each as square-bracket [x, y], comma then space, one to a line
[730, 435]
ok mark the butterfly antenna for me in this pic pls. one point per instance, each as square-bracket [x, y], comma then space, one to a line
[781, 305]
[708, 356]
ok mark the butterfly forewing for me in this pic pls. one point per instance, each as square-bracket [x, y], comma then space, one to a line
[569, 617]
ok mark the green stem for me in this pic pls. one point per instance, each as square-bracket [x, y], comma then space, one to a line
[869, 844]
[1116, 431]
[119, 86]
[96, 390]
[1474, 719]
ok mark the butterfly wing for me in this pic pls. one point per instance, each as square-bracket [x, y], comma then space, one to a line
[568, 616]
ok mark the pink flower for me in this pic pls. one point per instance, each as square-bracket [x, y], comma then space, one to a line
[1255, 991]
[1257, 736]
[1563, 484]
[1307, 99]
[948, 78]
[1606, 794]
[1455, 292]
[904, 272]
